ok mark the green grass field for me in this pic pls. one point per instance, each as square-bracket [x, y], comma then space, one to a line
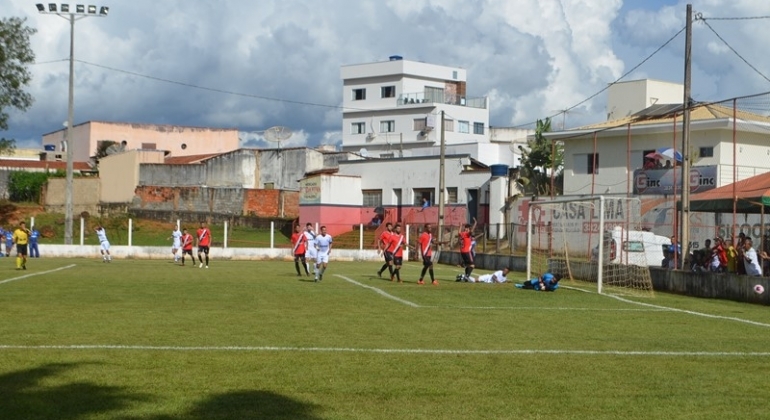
[139, 339]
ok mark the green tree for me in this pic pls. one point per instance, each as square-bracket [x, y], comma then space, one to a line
[15, 55]
[538, 159]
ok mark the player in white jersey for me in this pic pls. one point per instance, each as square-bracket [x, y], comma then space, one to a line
[499, 276]
[176, 236]
[103, 243]
[323, 244]
[310, 250]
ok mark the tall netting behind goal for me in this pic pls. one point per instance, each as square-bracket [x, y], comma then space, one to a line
[564, 238]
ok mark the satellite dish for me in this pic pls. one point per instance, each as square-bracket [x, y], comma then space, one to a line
[363, 152]
[277, 134]
[116, 148]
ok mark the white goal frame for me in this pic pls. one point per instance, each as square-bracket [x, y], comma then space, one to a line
[601, 231]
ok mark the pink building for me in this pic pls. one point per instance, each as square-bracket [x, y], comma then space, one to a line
[175, 140]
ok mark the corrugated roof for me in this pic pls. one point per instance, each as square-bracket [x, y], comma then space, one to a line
[750, 195]
[187, 160]
[653, 115]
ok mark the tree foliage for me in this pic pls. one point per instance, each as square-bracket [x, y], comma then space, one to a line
[26, 186]
[15, 55]
[539, 159]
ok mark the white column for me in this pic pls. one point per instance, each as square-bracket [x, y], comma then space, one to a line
[272, 235]
[225, 240]
[406, 251]
[361, 237]
[82, 230]
[130, 231]
[32, 222]
[178, 224]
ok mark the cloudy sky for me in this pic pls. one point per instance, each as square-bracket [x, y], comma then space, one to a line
[273, 62]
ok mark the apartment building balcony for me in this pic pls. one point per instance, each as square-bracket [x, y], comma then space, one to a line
[407, 99]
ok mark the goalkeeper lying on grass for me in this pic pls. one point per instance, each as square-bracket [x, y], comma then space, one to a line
[545, 283]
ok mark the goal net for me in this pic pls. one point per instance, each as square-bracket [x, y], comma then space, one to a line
[564, 237]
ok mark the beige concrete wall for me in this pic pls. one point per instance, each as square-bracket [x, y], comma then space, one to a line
[172, 138]
[85, 194]
[119, 174]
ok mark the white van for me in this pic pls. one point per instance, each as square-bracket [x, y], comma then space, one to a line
[638, 248]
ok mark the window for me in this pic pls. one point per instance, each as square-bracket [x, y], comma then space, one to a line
[388, 92]
[372, 198]
[463, 127]
[387, 155]
[269, 185]
[359, 94]
[434, 95]
[419, 124]
[149, 146]
[478, 128]
[387, 126]
[706, 152]
[592, 163]
[449, 125]
[451, 194]
[454, 74]
[420, 193]
[358, 128]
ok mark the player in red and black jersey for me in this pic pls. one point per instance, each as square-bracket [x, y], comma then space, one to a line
[425, 247]
[466, 243]
[383, 243]
[396, 249]
[299, 242]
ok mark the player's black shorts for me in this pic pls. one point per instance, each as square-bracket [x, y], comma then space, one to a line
[21, 249]
[203, 249]
[427, 261]
[398, 261]
[187, 251]
[388, 256]
[467, 258]
[299, 256]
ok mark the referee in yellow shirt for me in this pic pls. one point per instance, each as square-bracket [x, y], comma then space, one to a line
[21, 239]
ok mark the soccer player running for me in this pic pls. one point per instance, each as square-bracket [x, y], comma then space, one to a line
[383, 243]
[466, 244]
[310, 248]
[104, 244]
[299, 241]
[176, 235]
[21, 238]
[204, 242]
[187, 246]
[323, 244]
[397, 242]
[425, 247]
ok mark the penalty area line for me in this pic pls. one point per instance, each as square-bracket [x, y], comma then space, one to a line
[37, 274]
[389, 351]
[379, 291]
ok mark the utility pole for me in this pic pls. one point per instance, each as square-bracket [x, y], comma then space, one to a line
[442, 159]
[684, 241]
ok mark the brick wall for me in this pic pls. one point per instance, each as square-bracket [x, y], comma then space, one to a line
[213, 200]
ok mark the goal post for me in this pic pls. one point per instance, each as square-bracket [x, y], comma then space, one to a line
[595, 242]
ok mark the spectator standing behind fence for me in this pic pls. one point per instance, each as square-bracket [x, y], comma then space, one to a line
[751, 259]
[8, 242]
[719, 256]
[740, 266]
[732, 256]
[34, 235]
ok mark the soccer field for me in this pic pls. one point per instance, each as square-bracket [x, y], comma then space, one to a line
[141, 339]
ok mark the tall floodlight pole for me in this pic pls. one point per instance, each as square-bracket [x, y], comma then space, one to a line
[685, 237]
[81, 12]
[442, 159]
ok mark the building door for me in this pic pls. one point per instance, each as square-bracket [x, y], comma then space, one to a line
[398, 193]
[473, 204]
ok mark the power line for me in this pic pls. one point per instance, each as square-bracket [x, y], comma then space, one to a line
[609, 85]
[734, 51]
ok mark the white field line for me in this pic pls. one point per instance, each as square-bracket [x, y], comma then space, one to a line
[37, 274]
[380, 292]
[542, 308]
[386, 351]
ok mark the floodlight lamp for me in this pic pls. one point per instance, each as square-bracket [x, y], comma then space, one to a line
[91, 9]
[40, 7]
[65, 8]
[52, 7]
[80, 8]
[104, 11]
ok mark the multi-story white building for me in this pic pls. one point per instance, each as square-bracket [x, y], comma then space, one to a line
[394, 109]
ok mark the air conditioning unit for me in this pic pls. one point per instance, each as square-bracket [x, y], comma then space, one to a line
[427, 129]
[371, 136]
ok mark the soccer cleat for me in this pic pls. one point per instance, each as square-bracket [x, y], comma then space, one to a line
[207, 266]
[434, 282]
[420, 281]
[321, 277]
[24, 266]
[379, 273]
[200, 266]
